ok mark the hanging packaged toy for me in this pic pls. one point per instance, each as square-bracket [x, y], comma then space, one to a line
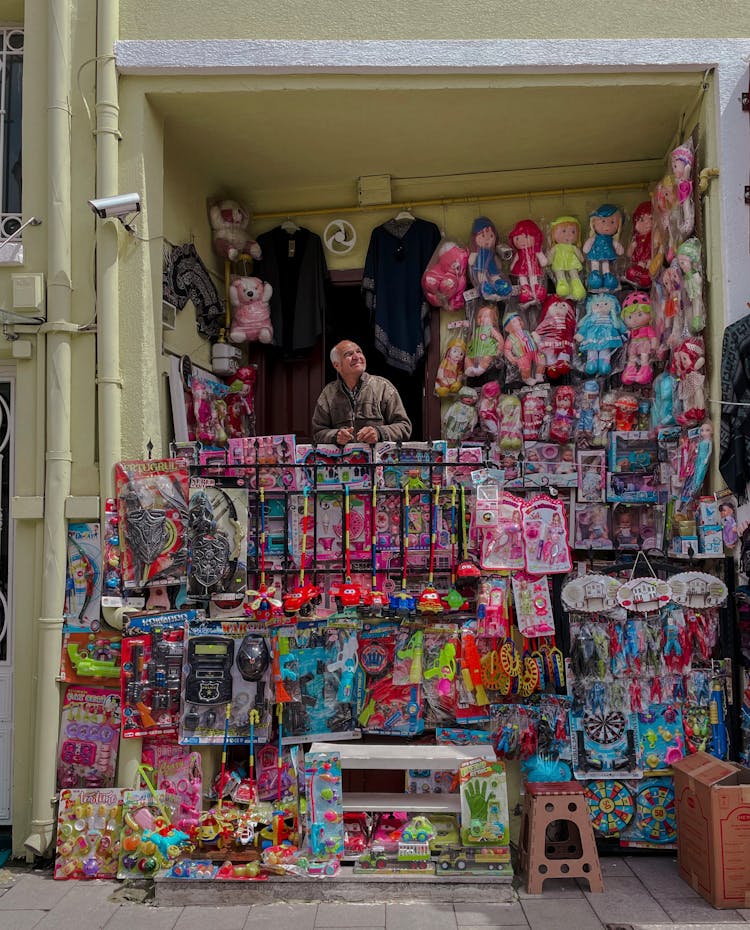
[528, 261]
[683, 216]
[484, 804]
[216, 531]
[639, 250]
[554, 335]
[689, 260]
[83, 582]
[531, 596]
[484, 261]
[88, 833]
[510, 429]
[603, 247]
[565, 259]
[600, 333]
[487, 408]
[643, 342]
[688, 366]
[521, 351]
[563, 415]
[587, 408]
[444, 280]
[545, 535]
[695, 469]
[89, 738]
[461, 417]
[502, 544]
[249, 299]
[240, 418]
[485, 347]
[591, 475]
[592, 527]
[450, 373]
[534, 405]
[324, 814]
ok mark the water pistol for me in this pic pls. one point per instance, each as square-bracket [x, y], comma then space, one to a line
[719, 746]
[280, 668]
[471, 669]
[414, 650]
[444, 668]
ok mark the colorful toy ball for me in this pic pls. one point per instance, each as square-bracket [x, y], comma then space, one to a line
[91, 867]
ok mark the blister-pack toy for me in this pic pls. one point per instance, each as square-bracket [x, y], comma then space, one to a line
[329, 466]
[386, 708]
[409, 462]
[89, 737]
[111, 595]
[83, 583]
[216, 537]
[148, 841]
[325, 814]
[545, 534]
[484, 804]
[180, 777]
[88, 833]
[91, 658]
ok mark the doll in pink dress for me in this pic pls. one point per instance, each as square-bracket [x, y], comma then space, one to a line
[563, 414]
[554, 335]
[528, 260]
[643, 342]
[489, 398]
[688, 366]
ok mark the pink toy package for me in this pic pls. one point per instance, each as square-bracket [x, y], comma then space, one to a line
[444, 280]
[545, 533]
[180, 777]
[89, 738]
[89, 821]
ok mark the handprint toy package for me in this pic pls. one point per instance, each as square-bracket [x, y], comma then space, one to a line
[484, 804]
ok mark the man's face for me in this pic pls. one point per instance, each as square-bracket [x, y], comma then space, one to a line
[351, 360]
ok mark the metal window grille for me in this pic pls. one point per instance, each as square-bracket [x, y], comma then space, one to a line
[11, 80]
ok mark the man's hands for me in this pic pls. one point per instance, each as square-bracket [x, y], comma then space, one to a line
[367, 434]
[344, 435]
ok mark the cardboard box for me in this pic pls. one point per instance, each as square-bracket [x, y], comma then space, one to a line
[712, 800]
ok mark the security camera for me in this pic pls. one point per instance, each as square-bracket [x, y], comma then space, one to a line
[117, 207]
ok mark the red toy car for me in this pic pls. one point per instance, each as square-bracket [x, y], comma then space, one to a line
[374, 603]
[302, 600]
[429, 602]
[347, 594]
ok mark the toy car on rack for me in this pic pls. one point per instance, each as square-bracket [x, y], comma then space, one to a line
[430, 602]
[402, 604]
[346, 594]
[302, 600]
[374, 603]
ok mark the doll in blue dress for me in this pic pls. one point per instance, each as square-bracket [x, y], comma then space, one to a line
[600, 332]
[603, 246]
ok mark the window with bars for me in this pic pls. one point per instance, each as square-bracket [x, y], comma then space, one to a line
[11, 80]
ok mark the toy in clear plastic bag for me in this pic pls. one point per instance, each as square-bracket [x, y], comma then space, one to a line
[554, 335]
[626, 412]
[604, 419]
[688, 366]
[461, 417]
[682, 160]
[674, 213]
[486, 344]
[487, 410]
[600, 333]
[689, 260]
[563, 414]
[528, 261]
[587, 409]
[510, 431]
[484, 261]
[534, 404]
[521, 351]
[666, 299]
[639, 249]
[564, 257]
[450, 373]
[643, 342]
[444, 280]
[603, 247]
[662, 409]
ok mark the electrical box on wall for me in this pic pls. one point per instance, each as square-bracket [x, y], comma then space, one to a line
[374, 188]
[28, 292]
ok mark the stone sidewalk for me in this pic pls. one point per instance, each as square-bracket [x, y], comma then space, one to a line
[641, 891]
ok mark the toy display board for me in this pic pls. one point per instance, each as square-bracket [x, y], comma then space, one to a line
[325, 815]
[148, 841]
[91, 658]
[331, 466]
[153, 505]
[267, 455]
[484, 804]
[640, 814]
[83, 582]
[89, 737]
[88, 833]
[226, 674]
[151, 673]
[402, 463]
[216, 538]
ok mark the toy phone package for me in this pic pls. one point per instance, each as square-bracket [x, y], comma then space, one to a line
[325, 815]
[148, 841]
[330, 466]
[83, 584]
[91, 658]
[153, 506]
[111, 568]
[89, 821]
[180, 777]
[484, 804]
[226, 674]
[151, 673]
[395, 710]
[216, 537]
[399, 463]
[89, 738]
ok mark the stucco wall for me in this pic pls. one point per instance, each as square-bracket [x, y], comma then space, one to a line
[427, 19]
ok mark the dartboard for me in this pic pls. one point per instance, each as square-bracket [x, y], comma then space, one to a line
[656, 815]
[603, 727]
[611, 806]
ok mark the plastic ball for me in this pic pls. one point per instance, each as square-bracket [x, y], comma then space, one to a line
[148, 864]
[91, 866]
[129, 862]
[148, 848]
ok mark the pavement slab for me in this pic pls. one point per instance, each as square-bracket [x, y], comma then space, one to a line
[420, 916]
[350, 915]
[553, 914]
[34, 891]
[489, 915]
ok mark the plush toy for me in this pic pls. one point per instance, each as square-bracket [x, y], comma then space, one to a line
[563, 414]
[554, 335]
[484, 261]
[486, 343]
[639, 250]
[689, 260]
[600, 332]
[688, 366]
[489, 398]
[444, 280]
[510, 432]
[565, 257]
[450, 373]
[528, 260]
[643, 343]
[229, 222]
[251, 315]
[603, 246]
[461, 417]
[521, 349]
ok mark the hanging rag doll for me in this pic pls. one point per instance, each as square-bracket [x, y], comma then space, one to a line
[688, 366]
[528, 261]
[600, 332]
[689, 260]
[565, 257]
[521, 349]
[603, 246]
[484, 261]
[642, 345]
[554, 335]
[486, 344]
[450, 373]
[639, 250]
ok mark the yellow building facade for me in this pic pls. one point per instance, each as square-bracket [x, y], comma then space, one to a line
[507, 109]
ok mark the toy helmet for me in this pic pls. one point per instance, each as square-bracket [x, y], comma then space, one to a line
[252, 657]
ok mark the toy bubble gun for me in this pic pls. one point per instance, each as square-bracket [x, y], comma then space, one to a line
[280, 668]
[471, 669]
[719, 745]
[414, 650]
[444, 669]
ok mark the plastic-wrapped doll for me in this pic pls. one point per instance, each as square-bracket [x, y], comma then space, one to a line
[484, 261]
[450, 373]
[689, 260]
[486, 343]
[639, 250]
[626, 413]
[489, 398]
[600, 332]
[669, 288]
[563, 414]
[510, 433]
[239, 417]
[444, 280]
[588, 406]
[662, 409]
[603, 246]
[528, 261]
[694, 481]
[626, 537]
[207, 428]
[643, 342]
[554, 335]
[461, 417]
[521, 349]
[565, 257]
[682, 160]
[604, 419]
[688, 366]
[534, 411]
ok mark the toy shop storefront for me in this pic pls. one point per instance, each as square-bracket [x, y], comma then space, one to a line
[346, 660]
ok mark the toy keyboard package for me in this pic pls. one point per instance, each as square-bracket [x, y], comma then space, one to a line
[89, 738]
[419, 464]
[331, 466]
[226, 674]
[83, 584]
[152, 508]
[91, 658]
[89, 821]
[151, 673]
[216, 537]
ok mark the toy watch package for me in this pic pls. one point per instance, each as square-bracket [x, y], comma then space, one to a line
[89, 738]
[484, 804]
[89, 821]
[216, 537]
[83, 584]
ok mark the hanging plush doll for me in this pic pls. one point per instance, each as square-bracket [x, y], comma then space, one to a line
[688, 366]
[461, 417]
[486, 344]
[603, 246]
[528, 261]
[554, 335]
[484, 261]
[689, 260]
[639, 250]
[521, 350]
[444, 281]
[643, 343]
[565, 257]
[600, 333]
[450, 373]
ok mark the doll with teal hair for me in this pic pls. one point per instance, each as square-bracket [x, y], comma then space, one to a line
[603, 246]
[600, 332]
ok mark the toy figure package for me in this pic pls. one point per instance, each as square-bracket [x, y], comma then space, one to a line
[89, 821]
[89, 738]
[410, 463]
[83, 584]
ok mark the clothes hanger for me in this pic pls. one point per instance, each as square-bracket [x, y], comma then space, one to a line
[404, 215]
[289, 226]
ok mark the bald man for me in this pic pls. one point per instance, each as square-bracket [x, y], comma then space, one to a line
[358, 407]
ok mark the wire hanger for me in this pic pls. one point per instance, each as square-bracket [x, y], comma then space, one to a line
[289, 226]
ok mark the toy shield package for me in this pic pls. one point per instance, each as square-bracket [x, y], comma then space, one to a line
[89, 738]
[88, 832]
[216, 537]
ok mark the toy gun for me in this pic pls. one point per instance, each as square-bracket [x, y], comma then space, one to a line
[719, 745]
[346, 665]
[444, 667]
[414, 650]
[87, 666]
[471, 669]
[280, 668]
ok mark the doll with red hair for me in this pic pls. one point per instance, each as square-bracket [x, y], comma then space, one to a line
[526, 240]
[688, 366]
[639, 250]
[554, 334]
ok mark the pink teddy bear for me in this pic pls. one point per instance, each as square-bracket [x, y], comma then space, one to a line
[251, 315]
[444, 282]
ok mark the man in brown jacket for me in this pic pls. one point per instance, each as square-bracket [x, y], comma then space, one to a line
[358, 406]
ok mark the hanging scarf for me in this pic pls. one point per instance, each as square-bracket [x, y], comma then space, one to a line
[184, 278]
